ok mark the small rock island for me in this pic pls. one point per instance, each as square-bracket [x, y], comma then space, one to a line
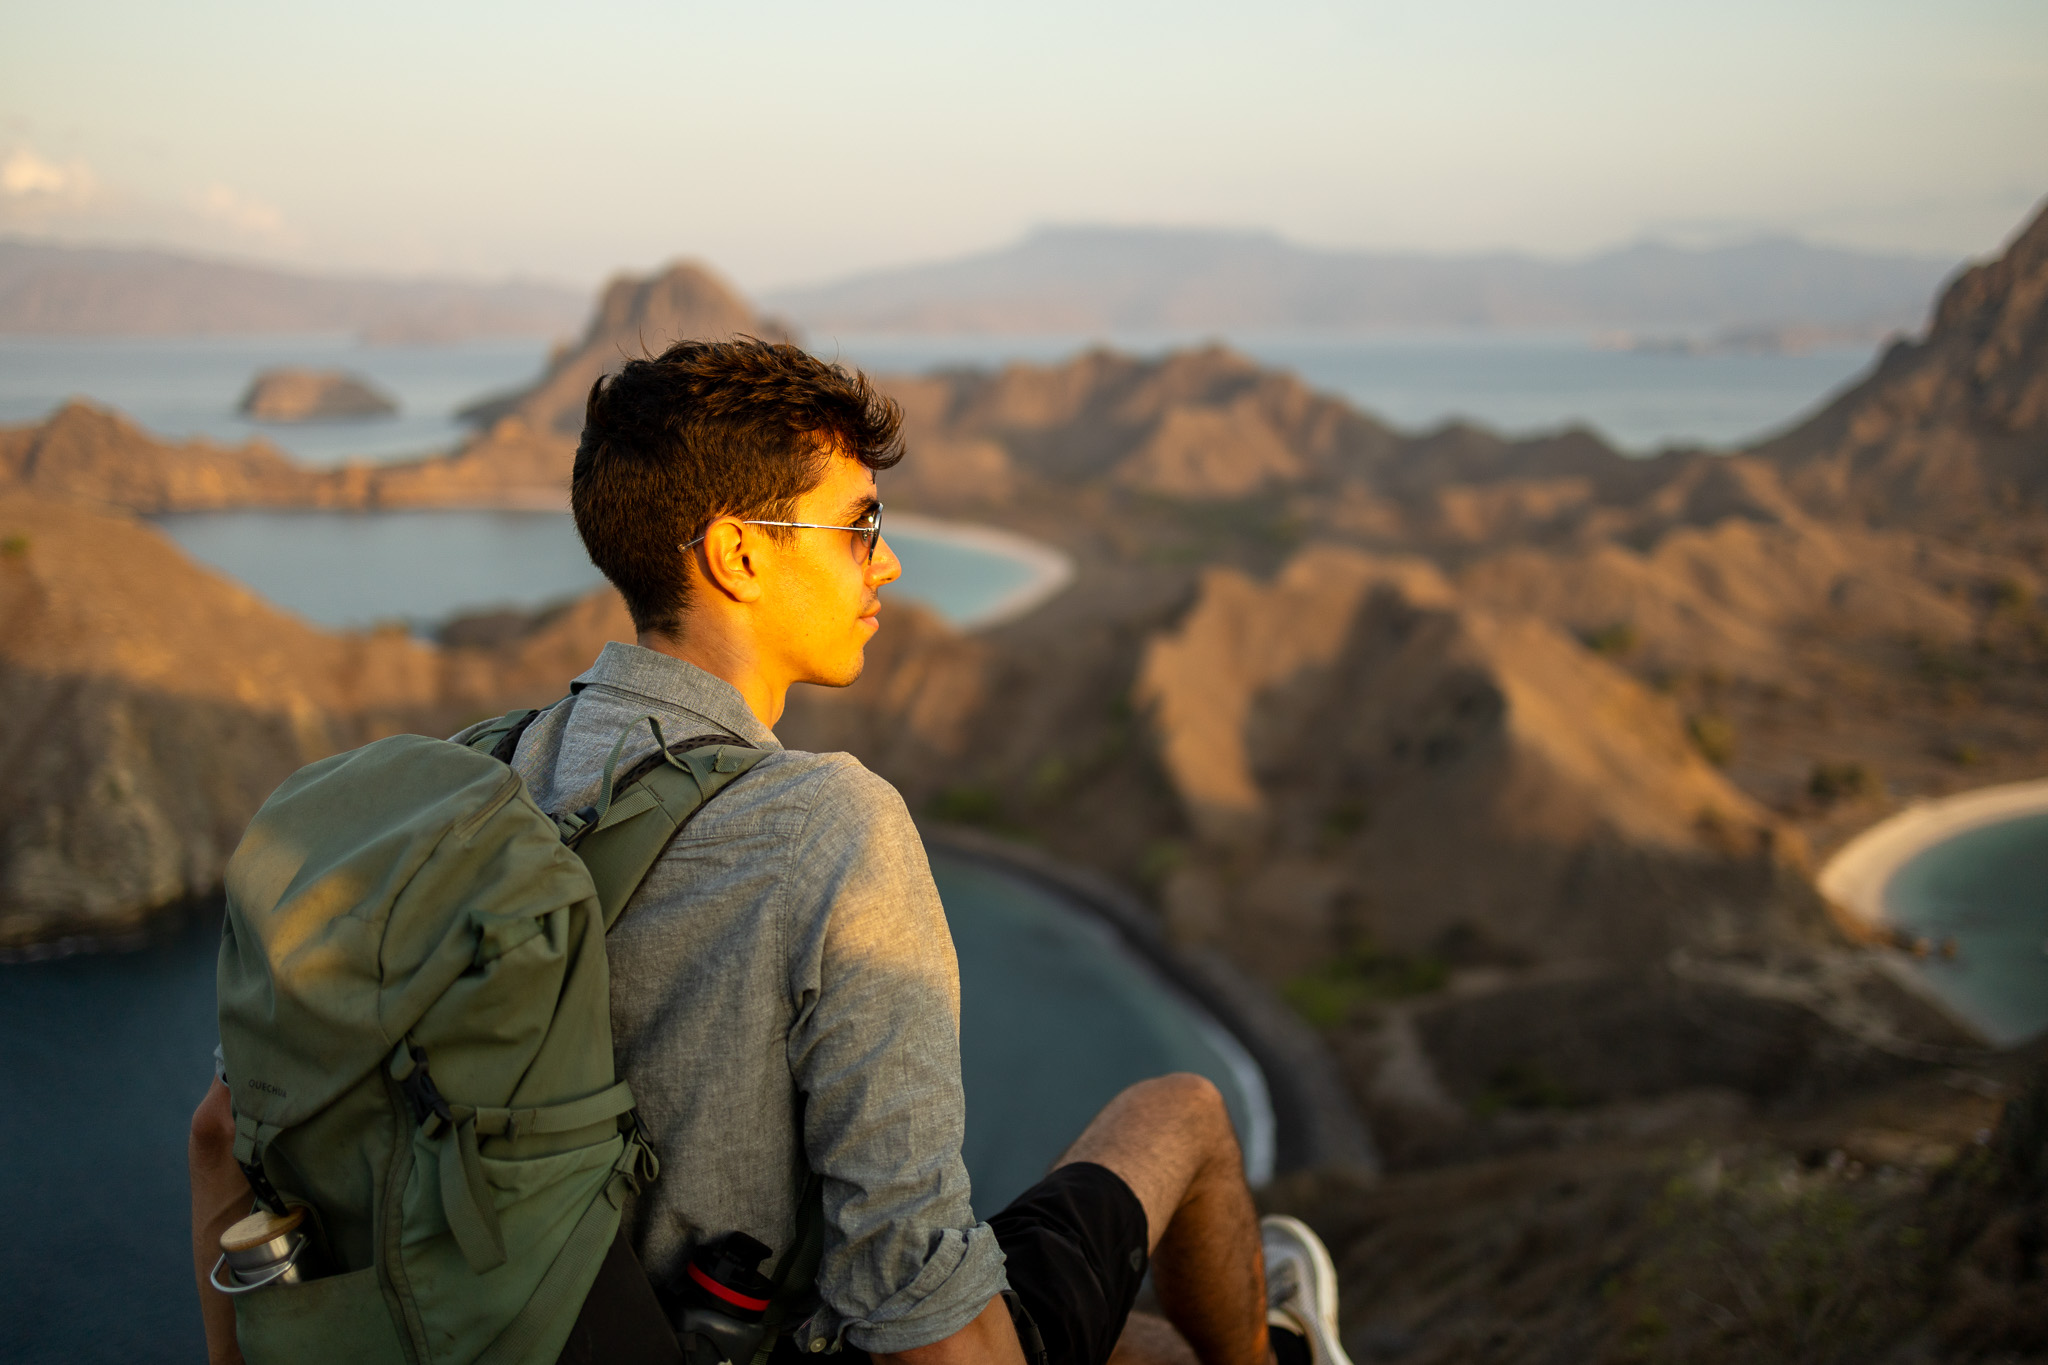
[292, 395]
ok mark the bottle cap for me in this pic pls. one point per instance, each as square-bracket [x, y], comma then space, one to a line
[260, 1227]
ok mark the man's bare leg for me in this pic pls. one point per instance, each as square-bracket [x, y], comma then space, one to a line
[220, 1195]
[1171, 1141]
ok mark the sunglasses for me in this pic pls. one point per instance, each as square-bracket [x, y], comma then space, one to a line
[868, 528]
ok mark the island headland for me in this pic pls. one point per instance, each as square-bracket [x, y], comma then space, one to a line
[292, 395]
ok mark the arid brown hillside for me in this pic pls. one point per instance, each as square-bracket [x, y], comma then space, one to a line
[1950, 433]
[147, 706]
[87, 454]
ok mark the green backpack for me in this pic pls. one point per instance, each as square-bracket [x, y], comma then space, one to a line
[415, 1022]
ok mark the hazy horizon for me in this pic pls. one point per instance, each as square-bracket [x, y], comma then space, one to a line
[795, 144]
[1029, 233]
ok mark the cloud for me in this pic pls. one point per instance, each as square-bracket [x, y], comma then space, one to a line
[25, 176]
[243, 212]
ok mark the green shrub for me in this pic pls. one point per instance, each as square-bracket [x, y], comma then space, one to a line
[1832, 782]
[1345, 819]
[1613, 639]
[967, 806]
[1714, 736]
[1522, 1084]
[1161, 859]
[1334, 992]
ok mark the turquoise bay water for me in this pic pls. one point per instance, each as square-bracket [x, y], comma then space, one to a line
[1987, 889]
[1056, 1018]
[103, 1058]
[343, 569]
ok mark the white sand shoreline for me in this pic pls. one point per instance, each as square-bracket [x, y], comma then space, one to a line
[1051, 569]
[1855, 878]
[1854, 882]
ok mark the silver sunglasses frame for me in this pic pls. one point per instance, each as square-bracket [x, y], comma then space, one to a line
[872, 532]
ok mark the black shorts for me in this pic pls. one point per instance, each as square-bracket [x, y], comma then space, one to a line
[1074, 1244]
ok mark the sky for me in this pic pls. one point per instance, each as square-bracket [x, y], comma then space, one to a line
[788, 143]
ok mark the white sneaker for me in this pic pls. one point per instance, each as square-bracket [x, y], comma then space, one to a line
[1301, 1286]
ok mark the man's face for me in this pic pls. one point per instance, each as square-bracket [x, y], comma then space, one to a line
[824, 595]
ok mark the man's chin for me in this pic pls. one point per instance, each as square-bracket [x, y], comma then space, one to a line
[845, 676]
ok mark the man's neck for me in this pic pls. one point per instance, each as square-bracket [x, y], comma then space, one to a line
[724, 658]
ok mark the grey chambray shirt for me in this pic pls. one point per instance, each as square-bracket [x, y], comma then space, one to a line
[785, 999]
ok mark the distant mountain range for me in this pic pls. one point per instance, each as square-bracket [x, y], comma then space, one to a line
[52, 290]
[1102, 280]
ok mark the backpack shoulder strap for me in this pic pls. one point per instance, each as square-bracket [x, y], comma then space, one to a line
[650, 807]
[500, 738]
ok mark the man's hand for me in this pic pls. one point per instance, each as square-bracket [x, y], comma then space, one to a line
[991, 1339]
[220, 1196]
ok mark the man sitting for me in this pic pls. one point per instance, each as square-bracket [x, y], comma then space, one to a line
[785, 999]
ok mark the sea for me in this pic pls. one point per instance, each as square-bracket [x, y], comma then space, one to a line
[1521, 383]
[1985, 892]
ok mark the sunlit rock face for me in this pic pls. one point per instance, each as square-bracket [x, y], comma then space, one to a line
[1365, 756]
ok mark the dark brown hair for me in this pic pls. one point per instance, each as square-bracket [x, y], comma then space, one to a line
[708, 429]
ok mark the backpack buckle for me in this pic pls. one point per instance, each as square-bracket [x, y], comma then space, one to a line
[425, 1097]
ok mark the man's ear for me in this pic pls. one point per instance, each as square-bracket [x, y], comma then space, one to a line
[728, 561]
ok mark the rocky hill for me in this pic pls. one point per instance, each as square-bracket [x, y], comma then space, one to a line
[634, 317]
[1950, 433]
[87, 454]
[522, 455]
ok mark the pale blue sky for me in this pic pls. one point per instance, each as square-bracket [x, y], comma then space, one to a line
[787, 142]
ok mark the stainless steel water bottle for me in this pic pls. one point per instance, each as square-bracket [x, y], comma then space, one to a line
[263, 1249]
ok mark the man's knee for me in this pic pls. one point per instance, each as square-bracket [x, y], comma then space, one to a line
[1190, 1103]
[213, 1126]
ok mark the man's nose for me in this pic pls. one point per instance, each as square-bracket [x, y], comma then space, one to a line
[883, 565]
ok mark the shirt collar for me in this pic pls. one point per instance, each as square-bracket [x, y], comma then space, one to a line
[667, 681]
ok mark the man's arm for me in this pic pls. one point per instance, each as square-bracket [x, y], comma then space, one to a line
[875, 1051]
[991, 1339]
[220, 1196]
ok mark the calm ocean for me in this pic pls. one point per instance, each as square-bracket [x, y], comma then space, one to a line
[1516, 383]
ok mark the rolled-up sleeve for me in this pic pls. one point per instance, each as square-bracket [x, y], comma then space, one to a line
[875, 1051]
